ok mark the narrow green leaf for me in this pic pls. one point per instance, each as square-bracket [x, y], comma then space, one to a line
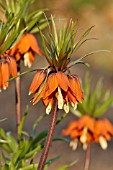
[103, 107]
[49, 162]
[25, 72]
[12, 142]
[64, 167]
[61, 118]
[20, 127]
[33, 152]
[36, 124]
[30, 167]
[93, 52]
[39, 137]
[55, 32]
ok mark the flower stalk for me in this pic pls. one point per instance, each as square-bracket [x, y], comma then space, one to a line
[49, 137]
[18, 99]
[87, 161]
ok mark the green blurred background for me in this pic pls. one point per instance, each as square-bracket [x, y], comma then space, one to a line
[87, 13]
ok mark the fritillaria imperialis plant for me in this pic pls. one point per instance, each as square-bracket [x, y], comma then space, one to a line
[54, 84]
[89, 128]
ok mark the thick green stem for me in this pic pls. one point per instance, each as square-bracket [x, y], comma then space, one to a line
[49, 138]
[87, 161]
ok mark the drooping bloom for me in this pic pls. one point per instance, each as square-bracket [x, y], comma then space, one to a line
[80, 131]
[25, 49]
[65, 88]
[7, 68]
[89, 130]
[103, 132]
[56, 81]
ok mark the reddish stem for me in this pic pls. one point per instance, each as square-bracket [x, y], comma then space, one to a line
[18, 99]
[49, 138]
[87, 161]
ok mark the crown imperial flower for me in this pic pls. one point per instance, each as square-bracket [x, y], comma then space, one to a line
[89, 130]
[56, 81]
[25, 49]
[7, 68]
[59, 86]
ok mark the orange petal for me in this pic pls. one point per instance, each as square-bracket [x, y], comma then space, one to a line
[17, 56]
[71, 98]
[13, 50]
[74, 134]
[51, 84]
[37, 81]
[5, 74]
[87, 121]
[29, 41]
[49, 99]
[0, 77]
[98, 127]
[34, 44]
[38, 97]
[72, 125]
[89, 137]
[12, 66]
[62, 80]
[23, 44]
[108, 125]
[75, 87]
[107, 136]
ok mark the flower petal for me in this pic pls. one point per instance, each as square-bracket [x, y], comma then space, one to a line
[108, 126]
[0, 77]
[72, 125]
[62, 80]
[75, 88]
[12, 66]
[51, 84]
[37, 81]
[86, 121]
[23, 43]
[5, 74]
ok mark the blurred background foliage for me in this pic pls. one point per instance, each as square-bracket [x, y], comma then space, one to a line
[88, 13]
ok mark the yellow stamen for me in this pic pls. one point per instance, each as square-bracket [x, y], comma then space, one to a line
[66, 107]
[60, 99]
[83, 138]
[85, 145]
[103, 142]
[75, 106]
[48, 109]
[73, 144]
[29, 93]
[26, 60]
[4, 88]
[72, 104]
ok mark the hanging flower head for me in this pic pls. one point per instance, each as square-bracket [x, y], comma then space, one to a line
[25, 49]
[7, 68]
[89, 128]
[55, 81]
[103, 132]
[80, 131]
[56, 85]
